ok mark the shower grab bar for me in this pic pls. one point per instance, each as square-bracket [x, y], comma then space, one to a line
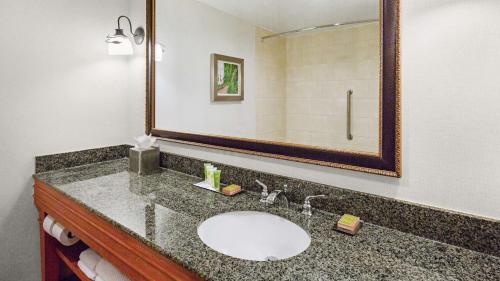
[349, 113]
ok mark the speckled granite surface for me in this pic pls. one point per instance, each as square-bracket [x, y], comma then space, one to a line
[71, 159]
[163, 210]
[475, 233]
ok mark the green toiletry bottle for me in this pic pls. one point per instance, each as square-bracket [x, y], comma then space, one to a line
[217, 180]
[206, 167]
[211, 176]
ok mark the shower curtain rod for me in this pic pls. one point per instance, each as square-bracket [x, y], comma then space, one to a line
[315, 28]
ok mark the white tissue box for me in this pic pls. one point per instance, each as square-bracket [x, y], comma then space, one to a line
[144, 161]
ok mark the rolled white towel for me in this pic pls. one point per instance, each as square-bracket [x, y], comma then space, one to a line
[87, 271]
[63, 235]
[107, 272]
[98, 278]
[90, 258]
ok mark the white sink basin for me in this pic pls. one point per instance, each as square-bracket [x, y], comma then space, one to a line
[254, 236]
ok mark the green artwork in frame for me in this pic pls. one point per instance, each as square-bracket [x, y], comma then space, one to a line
[227, 78]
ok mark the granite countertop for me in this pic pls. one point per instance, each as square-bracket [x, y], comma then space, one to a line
[164, 210]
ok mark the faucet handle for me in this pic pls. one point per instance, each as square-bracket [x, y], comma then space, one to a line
[308, 198]
[307, 204]
[264, 193]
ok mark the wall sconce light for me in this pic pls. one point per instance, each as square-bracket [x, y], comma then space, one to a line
[120, 44]
[159, 51]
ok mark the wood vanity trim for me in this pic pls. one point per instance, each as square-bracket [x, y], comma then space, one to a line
[70, 256]
[49, 259]
[131, 256]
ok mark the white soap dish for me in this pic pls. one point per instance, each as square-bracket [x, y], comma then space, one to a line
[207, 186]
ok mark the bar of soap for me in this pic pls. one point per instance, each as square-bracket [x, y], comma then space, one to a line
[231, 190]
[349, 222]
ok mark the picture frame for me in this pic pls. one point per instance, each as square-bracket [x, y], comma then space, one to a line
[227, 78]
[387, 162]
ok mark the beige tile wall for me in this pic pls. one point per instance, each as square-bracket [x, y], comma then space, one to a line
[321, 67]
[302, 83]
[270, 76]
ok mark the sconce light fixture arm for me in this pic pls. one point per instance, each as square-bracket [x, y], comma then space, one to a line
[129, 23]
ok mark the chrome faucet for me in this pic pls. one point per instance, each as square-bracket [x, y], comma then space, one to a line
[263, 194]
[278, 194]
[307, 209]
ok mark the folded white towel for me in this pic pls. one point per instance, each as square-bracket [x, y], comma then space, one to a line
[108, 272]
[87, 271]
[90, 258]
[98, 278]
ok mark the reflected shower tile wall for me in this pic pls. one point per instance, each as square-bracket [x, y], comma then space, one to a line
[271, 87]
[320, 69]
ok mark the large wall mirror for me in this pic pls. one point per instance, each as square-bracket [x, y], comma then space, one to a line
[308, 81]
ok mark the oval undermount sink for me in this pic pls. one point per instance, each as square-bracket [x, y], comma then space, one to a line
[254, 236]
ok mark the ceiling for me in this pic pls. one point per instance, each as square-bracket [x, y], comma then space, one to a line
[286, 15]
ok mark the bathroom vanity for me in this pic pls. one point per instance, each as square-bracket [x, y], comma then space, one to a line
[148, 228]
[129, 255]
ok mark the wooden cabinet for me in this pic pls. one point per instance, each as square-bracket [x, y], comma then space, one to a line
[129, 255]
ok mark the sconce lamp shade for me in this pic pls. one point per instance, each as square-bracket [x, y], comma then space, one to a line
[119, 44]
[159, 51]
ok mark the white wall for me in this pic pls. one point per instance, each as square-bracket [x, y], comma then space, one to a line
[191, 32]
[59, 91]
[450, 61]
[136, 111]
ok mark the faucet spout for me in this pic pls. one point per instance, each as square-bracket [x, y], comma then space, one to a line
[277, 194]
[272, 197]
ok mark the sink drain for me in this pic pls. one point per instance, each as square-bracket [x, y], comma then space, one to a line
[271, 258]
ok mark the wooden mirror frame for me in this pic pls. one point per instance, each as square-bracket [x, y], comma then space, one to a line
[386, 162]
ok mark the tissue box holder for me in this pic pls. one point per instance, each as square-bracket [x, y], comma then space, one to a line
[144, 161]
